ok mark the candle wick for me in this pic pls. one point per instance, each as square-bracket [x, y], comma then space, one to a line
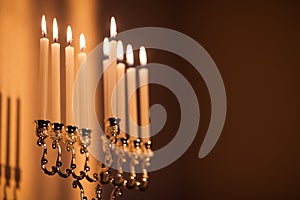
[55, 40]
[44, 34]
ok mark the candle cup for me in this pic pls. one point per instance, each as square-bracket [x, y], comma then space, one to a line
[137, 143]
[85, 136]
[56, 134]
[105, 177]
[71, 134]
[113, 129]
[42, 130]
[132, 182]
[124, 141]
[119, 179]
[148, 145]
[144, 183]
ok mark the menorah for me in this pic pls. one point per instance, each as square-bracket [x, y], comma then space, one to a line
[135, 153]
[120, 150]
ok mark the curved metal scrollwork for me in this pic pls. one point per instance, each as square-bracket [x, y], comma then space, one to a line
[137, 153]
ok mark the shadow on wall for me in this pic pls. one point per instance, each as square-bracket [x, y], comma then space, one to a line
[10, 176]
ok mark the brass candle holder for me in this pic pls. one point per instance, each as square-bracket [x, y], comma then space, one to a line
[135, 153]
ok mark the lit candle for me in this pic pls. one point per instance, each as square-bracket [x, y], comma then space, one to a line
[121, 109]
[82, 54]
[112, 70]
[43, 71]
[132, 97]
[55, 81]
[105, 64]
[69, 64]
[113, 42]
[144, 95]
[83, 123]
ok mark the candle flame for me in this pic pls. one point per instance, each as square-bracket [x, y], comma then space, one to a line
[120, 51]
[129, 55]
[106, 46]
[55, 30]
[113, 27]
[69, 35]
[82, 42]
[143, 56]
[44, 27]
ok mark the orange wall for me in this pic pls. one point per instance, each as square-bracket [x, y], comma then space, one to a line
[19, 58]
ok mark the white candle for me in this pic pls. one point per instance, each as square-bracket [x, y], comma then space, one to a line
[82, 54]
[121, 103]
[144, 95]
[105, 64]
[69, 64]
[83, 108]
[113, 42]
[132, 97]
[112, 71]
[55, 81]
[43, 71]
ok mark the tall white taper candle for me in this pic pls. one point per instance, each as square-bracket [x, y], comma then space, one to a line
[55, 80]
[112, 71]
[83, 108]
[69, 67]
[121, 103]
[144, 96]
[43, 71]
[132, 97]
[105, 64]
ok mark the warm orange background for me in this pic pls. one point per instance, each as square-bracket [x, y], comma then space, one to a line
[255, 45]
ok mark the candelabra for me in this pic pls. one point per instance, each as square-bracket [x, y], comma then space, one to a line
[133, 152]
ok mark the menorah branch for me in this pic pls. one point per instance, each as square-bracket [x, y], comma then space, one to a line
[121, 150]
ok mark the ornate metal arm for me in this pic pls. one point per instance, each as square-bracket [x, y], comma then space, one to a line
[146, 157]
[42, 132]
[85, 142]
[116, 192]
[71, 137]
[56, 137]
[76, 183]
[137, 153]
[85, 135]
